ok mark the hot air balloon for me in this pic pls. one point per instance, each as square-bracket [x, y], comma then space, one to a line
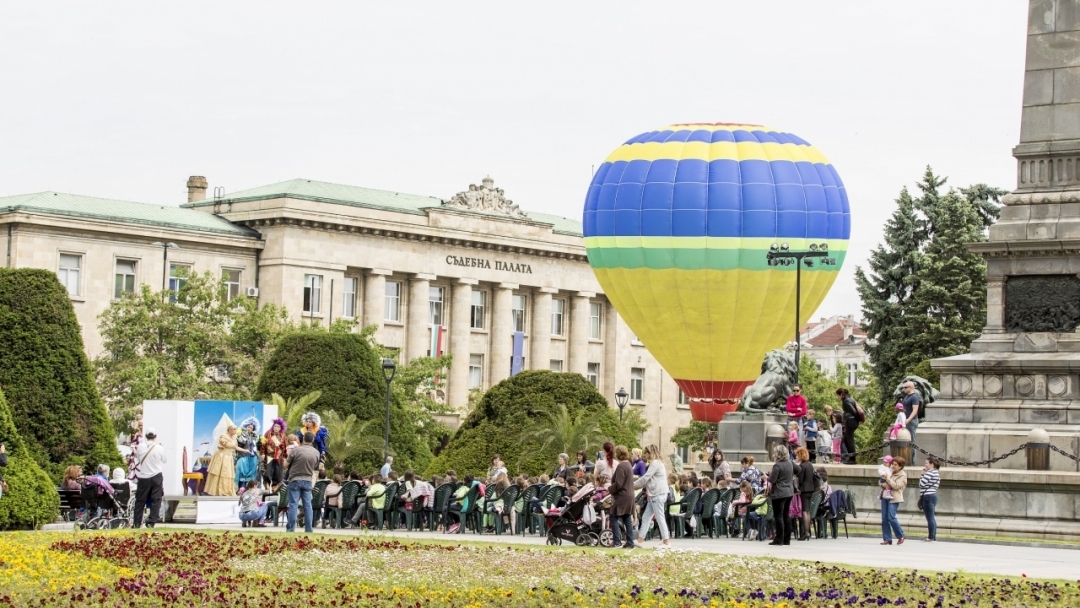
[677, 225]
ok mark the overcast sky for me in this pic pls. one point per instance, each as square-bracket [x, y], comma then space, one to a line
[126, 100]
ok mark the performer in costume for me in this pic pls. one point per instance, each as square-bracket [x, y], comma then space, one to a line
[312, 423]
[221, 475]
[247, 463]
[274, 450]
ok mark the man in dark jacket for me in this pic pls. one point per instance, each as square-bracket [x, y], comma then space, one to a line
[622, 493]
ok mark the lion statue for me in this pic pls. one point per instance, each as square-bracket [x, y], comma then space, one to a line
[927, 392]
[778, 373]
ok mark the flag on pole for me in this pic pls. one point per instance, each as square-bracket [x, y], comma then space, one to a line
[518, 360]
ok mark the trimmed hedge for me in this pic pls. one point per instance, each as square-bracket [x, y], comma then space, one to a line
[31, 499]
[496, 424]
[348, 372]
[47, 377]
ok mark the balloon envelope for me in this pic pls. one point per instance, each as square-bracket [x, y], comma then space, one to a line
[677, 225]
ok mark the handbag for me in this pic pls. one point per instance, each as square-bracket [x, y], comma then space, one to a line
[860, 413]
[795, 510]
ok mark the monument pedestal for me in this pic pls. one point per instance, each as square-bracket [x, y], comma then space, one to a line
[742, 434]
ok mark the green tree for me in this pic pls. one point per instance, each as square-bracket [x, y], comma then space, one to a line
[498, 423]
[31, 499]
[694, 436]
[189, 345]
[346, 368]
[925, 294]
[46, 375]
[291, 410]
[558, 429]
[349, 438]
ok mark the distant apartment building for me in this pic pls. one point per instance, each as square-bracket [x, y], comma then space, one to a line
[837, 340]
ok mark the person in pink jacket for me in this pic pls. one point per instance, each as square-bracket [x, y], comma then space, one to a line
[796, 408]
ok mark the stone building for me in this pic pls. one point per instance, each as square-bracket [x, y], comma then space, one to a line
[836, 340]
[473, 275]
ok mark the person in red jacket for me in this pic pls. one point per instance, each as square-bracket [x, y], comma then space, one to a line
[796, 409]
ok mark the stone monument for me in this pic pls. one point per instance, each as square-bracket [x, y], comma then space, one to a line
[1024, 370]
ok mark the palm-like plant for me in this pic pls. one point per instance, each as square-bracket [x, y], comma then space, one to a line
[349, 437]
[556, 427]
[291, 410]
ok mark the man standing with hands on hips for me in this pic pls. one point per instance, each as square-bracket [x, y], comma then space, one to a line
[150, 461]
[912, 403]
[300, 467]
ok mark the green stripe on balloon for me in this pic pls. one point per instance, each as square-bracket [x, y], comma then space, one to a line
[696, 259]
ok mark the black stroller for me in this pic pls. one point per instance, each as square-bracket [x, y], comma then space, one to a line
[104, 510]
[569, 526]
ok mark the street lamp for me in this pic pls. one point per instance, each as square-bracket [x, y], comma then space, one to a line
[782, 255]
[165, 262]
[621, 397]
[388, 370]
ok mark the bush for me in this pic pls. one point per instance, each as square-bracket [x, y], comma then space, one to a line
[31, 499]
[496, 424]
[347, 371]
[47, 377]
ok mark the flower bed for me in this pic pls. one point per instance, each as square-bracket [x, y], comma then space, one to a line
[263, 570]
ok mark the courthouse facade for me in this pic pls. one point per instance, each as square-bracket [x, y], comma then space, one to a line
[470, 274]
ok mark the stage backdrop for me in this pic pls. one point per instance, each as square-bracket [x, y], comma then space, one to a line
[196, 425]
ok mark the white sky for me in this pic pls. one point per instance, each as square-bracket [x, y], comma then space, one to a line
[127, 99]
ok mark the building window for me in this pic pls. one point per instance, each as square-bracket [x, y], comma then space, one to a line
[558, 309]
[593, 374]
[637, 383]
[683, 399]
[435, 305]
[852, 374]
[312, 294]
[231, 278]
[556, 365]
[125, 278]
[348, 298]
[476, 370]
[393, 301]
[476, 316]
[594, 320]
[684, 453]
[517, 309]
[70, 266]
[178, 276]
[634, 340]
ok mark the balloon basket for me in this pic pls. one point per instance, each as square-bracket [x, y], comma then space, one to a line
[712, 410]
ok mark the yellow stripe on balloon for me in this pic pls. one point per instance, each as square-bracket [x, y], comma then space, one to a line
[703, 324]
[721, 150]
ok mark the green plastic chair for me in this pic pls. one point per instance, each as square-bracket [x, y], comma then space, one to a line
[442, 495]
[281, 506]
[523, 517]
[681, 520]
[349, 492]
[552, 495]
[388, 506]
[316, 500]
[708, 519]
[470, 512]
[509, 496]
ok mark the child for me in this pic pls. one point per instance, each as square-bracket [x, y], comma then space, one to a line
[824, 446]
[810, 432]
[837, 435]
[884, 471]
[251, 508]
[899, 423]
[793, 437]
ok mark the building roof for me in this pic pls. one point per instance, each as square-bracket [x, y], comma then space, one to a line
[77, 205]
[837, 331]
[355, 196]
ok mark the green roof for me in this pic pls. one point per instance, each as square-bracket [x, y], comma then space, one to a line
[77, 205]
[355, 196]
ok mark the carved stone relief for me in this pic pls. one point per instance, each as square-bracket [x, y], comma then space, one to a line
[485, 197]
[1042, 303]
[1056, 386]
[1025, 386]
[992, 385]
[961, 384]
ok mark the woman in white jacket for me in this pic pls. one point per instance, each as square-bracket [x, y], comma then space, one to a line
[656, 490]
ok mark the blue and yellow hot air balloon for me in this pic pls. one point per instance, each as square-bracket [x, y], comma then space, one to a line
[677, 224]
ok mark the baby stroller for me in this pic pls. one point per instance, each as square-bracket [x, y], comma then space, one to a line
[569, 525]
[105, 510]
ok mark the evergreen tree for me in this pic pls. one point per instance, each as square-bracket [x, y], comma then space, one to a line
[46, 375]
[31, 499]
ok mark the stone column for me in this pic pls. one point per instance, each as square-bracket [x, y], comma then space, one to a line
[540, 338]
[375, 298]
[417, 336]
[460, 332]
[579, 332]
[501, 347]
[995, 305]
[611, 344]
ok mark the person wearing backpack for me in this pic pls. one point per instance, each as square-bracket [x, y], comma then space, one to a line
[912, 404]
[853, 417]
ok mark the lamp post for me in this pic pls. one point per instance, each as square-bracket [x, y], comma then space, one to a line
[388, 370]
[782, 255]
[165, 262]
[621, 397]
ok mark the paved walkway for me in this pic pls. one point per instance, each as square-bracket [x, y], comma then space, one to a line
[944, 556]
